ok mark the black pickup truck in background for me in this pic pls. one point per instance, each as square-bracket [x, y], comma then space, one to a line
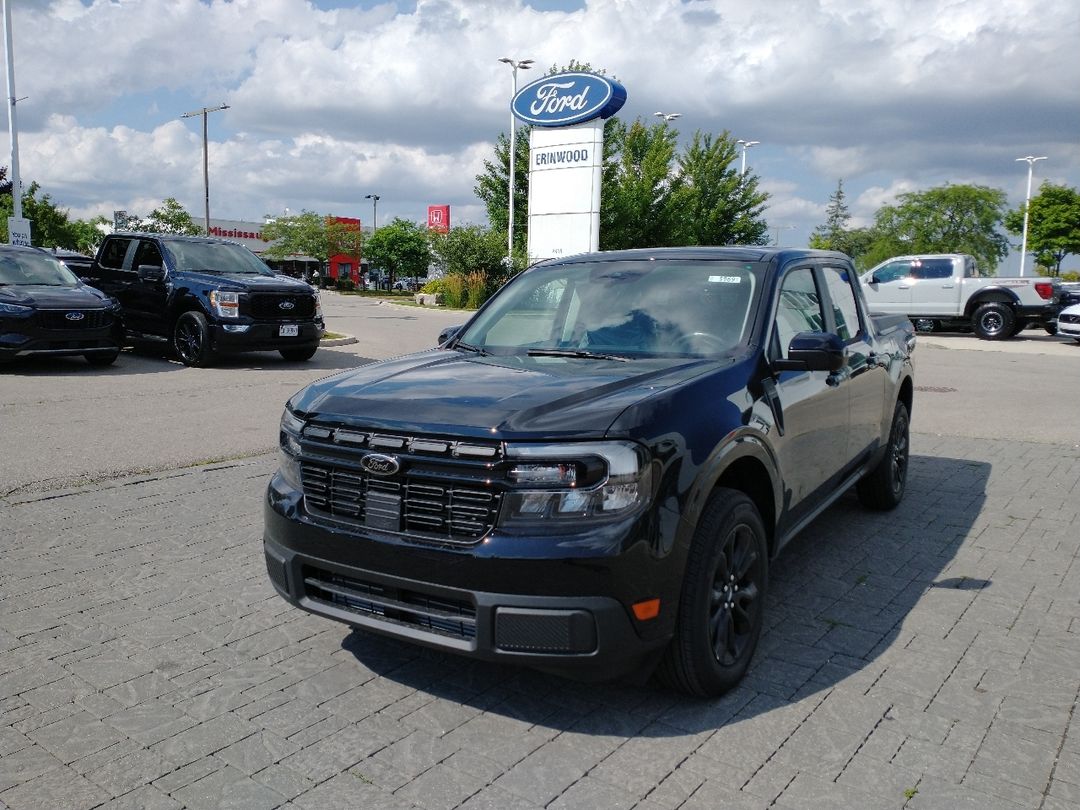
[205, 296]
[591, 476]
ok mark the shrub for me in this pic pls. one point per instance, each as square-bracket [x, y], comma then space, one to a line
[437, 286]
[476, 286]
[454, 291]
[345, 284]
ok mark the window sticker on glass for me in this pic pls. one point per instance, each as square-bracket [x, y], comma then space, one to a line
[725, 279]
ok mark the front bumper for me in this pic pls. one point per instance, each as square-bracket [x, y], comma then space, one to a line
[264, 336]
[104, 340]
[569, 615]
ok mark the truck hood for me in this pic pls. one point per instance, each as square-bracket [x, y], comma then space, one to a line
[448, 392]
[47, 296]
[247, 282]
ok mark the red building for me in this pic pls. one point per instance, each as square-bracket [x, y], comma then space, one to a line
[346, 234]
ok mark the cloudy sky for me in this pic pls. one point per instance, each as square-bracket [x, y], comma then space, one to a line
[332, 100]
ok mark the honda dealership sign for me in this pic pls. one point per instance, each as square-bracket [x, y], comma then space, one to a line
[566, 156]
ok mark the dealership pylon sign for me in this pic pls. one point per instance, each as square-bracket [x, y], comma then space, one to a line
[566, 158]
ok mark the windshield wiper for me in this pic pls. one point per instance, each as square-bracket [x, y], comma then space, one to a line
[468, 347]
[582, 353]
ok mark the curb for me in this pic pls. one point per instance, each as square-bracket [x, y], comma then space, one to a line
[341, 341]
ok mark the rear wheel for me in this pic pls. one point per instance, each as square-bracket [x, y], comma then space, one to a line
[305, 353]
[102, 359]
[191, 339]
[883, 488]
[1018, 327]
[993, 321]
[723, 598]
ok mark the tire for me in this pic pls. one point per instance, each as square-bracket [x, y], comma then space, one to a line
[1018, 327]
[993, 321]
[717, 630]
[101, 359]
[925, 325]
[191, 340]
[1051, 328]
[303, 353]
[883, 487]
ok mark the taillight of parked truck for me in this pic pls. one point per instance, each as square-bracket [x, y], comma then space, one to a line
[1044, 289]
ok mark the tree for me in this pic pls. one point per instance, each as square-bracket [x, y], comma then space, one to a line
[1053, 225]
[304, 233]
[171, 218]
[343, 237]
[401, 248]
[834, 234]
[638, 183]
[493, 187]
[471, 249]
[88, 234]
[945, 219]
[49, 227]
[712, 203]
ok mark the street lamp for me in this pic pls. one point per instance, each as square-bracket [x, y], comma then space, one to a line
[374, 210]
[745, 145]
[515, 66]
[1031, 160]
[668, 117]
[205, 162]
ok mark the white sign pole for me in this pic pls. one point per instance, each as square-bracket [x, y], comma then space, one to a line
[16, 183]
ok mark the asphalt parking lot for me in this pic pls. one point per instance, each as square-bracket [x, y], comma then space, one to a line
[925, 658]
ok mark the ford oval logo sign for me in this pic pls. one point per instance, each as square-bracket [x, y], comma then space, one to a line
[286, 305]
[378, 464]
[74, 316]
[568, 98]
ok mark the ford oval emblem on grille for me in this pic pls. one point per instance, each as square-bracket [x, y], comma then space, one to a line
[378, 464]
[74, 316]
[287, 305]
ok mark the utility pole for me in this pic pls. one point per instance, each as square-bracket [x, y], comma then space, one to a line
[205, 159]
[18, 228]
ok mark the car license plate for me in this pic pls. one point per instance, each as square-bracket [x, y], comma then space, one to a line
[288, 330]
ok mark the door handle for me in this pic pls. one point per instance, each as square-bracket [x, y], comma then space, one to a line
[904, 287]
[947, 286]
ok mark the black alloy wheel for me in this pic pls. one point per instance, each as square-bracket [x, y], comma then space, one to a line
[994, 321]
[883, 487]
[191, 339]
[723, 598]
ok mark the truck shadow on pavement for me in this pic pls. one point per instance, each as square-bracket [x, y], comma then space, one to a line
[839, 597]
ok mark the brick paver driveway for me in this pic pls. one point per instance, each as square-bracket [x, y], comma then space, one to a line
[928, 657]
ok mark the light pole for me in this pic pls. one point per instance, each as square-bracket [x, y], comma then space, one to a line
[1031, 160]
[668, 117]
[515, 66]
[16, 182]
[745, 145]
[205, 160]
[374, 210]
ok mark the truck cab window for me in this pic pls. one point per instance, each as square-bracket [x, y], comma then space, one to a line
[799, 308]
[147, 253]
[845, 310]
[112, 255]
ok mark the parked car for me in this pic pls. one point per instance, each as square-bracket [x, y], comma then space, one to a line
[206, 296]
[1068, 323]
[46, 310]
[591, 476]
[947, 292]
[77, 263]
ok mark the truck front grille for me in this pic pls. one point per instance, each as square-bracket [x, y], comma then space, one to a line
[59, 318]
[455, 513]
[279, 306]
[435, 613]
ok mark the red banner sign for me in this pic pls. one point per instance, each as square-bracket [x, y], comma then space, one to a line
[438, 218]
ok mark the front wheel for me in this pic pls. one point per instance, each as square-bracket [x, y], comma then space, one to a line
[723, 598]
[305, 353]
[883, 487]
[191, 340]
[993, 321]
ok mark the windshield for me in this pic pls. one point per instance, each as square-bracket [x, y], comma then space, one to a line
[23, 269]
[628, 309]
[215, 257]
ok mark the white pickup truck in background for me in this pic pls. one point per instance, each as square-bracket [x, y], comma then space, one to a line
[946, 292]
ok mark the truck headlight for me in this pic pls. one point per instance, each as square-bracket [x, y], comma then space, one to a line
[15, 310]
[289, 448]
[225, 304]
[586, 481]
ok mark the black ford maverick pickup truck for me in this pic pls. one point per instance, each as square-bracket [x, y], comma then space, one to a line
[205, 296]
[591, 476]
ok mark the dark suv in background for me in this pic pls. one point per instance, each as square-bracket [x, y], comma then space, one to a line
[204, 296]
[46, 310]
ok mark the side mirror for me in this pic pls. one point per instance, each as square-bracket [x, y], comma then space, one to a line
[813, 351]
[449, 333]
[874, 279]
[151, 272]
